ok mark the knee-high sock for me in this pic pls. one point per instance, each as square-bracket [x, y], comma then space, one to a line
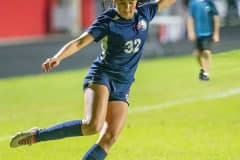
[95, 153]
[66, 129]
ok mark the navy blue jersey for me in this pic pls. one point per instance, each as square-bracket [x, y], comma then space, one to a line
[122, 41]
[203, 12]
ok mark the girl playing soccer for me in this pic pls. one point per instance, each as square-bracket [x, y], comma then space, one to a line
[123, 31]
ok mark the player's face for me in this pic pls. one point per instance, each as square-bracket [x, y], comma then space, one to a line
[126, 8]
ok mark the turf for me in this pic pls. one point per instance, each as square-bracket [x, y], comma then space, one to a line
[172, 115]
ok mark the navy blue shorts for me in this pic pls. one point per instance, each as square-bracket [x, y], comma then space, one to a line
[118, 91]
[204, 43]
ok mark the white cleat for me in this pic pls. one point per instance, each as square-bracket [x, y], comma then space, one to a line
[24, 138]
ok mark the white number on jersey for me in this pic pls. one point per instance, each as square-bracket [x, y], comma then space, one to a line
[132, 46]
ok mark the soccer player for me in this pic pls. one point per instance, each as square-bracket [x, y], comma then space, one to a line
[203, 28]
[123, 31]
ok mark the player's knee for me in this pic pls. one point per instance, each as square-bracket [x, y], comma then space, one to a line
[110, 138]
[207, 52]
[94, 127]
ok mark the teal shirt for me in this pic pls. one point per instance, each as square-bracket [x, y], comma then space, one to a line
[203, 12]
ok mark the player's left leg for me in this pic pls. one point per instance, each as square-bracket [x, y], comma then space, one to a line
[116, 117]
[96, 100]
[205, 62]
[204, 56]
[58, 131]
[202, 60]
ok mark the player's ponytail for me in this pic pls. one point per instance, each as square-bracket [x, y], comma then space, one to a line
[110, 3]
[107, 4]
[142, 1]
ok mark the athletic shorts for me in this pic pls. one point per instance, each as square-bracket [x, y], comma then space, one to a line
[118, 91]
[204, 43]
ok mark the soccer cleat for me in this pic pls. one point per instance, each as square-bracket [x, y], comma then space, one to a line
[203, 76]
[24, 138]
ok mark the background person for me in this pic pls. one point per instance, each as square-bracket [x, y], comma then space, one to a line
[203, 26]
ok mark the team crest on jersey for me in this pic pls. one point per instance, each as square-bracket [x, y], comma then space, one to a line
[207, 8]
[142, 25]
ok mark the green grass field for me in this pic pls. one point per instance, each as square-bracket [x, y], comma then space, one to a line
[172, 116]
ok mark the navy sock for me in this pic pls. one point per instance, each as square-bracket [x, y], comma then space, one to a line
[95, 153]
[66, 129]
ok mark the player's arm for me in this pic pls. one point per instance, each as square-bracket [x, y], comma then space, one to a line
[216, 31]
[190, 29]
[165, 3]
[67, 50]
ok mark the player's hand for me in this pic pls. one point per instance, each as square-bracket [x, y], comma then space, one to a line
[191, 37]
[50, 63]
[216, 38]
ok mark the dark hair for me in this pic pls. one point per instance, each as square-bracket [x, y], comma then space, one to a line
[110, 4]
[143, 1]
[107, 4]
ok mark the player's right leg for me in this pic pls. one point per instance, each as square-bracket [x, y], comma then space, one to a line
[201, 61]
[207, 58]
[205, 62]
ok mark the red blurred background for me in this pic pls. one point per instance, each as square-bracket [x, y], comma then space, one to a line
[35, 17]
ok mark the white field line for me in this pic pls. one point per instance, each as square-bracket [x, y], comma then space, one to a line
[224, 94]
[218, 95]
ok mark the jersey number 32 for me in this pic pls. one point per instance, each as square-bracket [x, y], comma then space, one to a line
[132, 46]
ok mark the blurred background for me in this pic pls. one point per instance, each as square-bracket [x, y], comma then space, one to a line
[31, 31]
